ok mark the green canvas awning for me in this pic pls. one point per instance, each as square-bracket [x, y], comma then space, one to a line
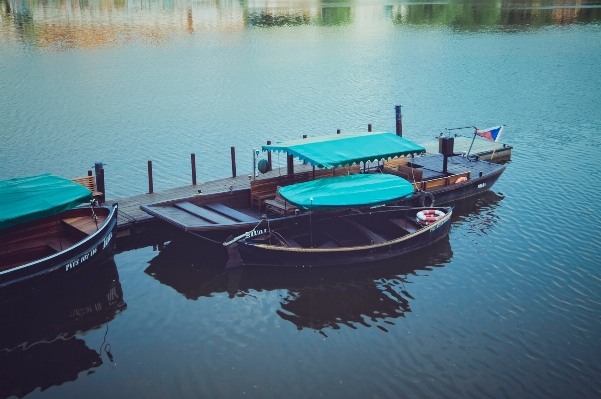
[346, 149]
[30, 198]
[347, 191]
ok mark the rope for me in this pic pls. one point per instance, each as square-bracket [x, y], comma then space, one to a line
[225, 244]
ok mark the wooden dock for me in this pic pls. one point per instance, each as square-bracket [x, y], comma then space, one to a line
[133, 220]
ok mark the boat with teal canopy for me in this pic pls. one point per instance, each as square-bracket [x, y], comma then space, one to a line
[346, 149]
[34, 197]
[347, 191]
[45, 234]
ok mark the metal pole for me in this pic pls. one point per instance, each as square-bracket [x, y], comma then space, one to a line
[254, 164]
[269, 156]
[468, 151]
[150, 185]
[369, 127]
[193, 161]
[290, 164]
[233, 162]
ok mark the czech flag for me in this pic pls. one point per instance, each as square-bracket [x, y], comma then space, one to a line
[492, 133]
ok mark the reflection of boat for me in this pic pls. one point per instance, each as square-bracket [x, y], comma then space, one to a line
[317, 298]
[442, 178]
[38, 346]
[43, 234]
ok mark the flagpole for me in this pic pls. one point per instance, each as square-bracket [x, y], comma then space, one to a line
[496, 143]
[468, 151]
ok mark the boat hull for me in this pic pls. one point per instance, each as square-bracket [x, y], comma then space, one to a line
[92, 250]
[244, 253]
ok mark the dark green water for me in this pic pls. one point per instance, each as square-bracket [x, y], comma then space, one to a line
[508, 306]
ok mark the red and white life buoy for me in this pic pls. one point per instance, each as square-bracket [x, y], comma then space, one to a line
[428, 216]
[461, 179]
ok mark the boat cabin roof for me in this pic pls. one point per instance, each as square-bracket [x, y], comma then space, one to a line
[346, 149]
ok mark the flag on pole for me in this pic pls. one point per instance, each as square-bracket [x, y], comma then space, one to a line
[492, 133]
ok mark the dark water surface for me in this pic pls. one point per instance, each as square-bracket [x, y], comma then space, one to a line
[508, 306]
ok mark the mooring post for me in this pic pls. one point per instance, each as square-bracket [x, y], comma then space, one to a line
[90, 173]
[99, 171]
[369, 127]
[290, 164]
[193, 161]
[233, 162]
[269, 157]
[337, 131]
[399, 120]
[150, 186]
[304, 137]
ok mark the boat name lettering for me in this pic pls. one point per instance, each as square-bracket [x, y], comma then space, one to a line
[107, 239]
[437, 226]
[254, 233]
[79, 261]
[481, 185]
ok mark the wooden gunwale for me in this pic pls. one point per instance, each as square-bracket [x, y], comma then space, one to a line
[357, 248]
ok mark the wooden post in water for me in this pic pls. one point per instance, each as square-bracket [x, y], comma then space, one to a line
[269, 156]
[290, 164]
[90, 173]
[337, 131]
[193, 161]
[99, 170]
[233, 162]
[150, 185]
[399, 120]
[369, 127]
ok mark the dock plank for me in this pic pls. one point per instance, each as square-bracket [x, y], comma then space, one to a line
[232, 213]
[203, 213]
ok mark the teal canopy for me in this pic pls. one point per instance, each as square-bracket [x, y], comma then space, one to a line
[345, 149]
[347, 191]
[30, 198]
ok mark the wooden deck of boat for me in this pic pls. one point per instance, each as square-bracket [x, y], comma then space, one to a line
[131, 215]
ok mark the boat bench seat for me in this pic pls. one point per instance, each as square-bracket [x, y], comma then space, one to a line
[209, 216]
[88, 182]
[280, 206]
[231, 213]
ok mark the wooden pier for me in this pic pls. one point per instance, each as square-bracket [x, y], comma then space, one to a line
[133, 220]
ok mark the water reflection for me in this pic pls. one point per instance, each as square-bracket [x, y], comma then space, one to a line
[38, 346]
[91, 23]
[317, 299]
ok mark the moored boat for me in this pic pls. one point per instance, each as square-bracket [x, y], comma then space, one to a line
[44, 231]
[436, 179]
[359, 235]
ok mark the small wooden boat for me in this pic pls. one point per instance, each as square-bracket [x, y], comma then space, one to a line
[359, 235]
[44, 233]
[340, 240]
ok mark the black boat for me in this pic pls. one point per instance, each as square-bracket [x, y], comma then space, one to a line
[341, 240]
[436, 179]
[357, 235]
[43, 231]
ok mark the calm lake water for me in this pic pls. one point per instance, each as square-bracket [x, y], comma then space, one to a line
[508, 306]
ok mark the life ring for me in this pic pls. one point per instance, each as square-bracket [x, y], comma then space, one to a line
[428, 216]
[461, 179]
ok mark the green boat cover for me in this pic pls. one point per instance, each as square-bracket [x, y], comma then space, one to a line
[347, 191]
[35, 197]
[346, 149]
